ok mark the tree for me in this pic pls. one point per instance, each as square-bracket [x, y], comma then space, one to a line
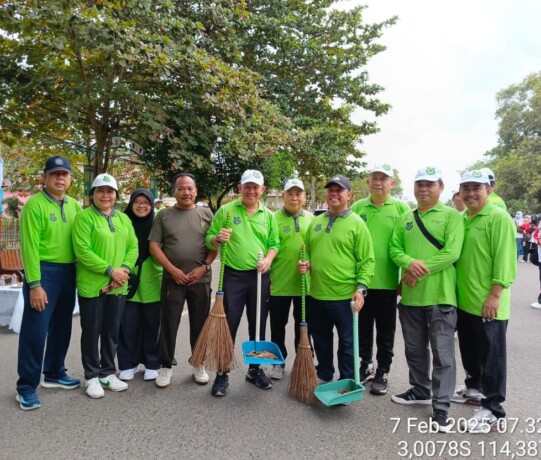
[516, 160]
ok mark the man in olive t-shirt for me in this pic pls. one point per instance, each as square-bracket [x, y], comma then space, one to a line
[177, 242]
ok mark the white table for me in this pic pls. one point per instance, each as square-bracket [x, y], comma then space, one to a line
[12, 307]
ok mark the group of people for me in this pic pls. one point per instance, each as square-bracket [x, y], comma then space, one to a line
[134, 270]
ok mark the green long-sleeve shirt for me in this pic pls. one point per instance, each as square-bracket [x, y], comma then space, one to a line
[341, 255]
[251, 234]
[285, 278]
[45, 233]
[102, 243]
[488, 258]
[381, 223]
[408, 244]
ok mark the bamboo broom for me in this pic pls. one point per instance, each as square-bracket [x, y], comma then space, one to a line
[303, 379]
[215, 348]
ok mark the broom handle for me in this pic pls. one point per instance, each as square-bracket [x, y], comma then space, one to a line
[258, 301]
[303, 286]
[223, 251]
[356, 344]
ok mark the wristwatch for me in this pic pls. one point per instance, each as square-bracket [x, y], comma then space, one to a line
[207, 267]
[362, 289]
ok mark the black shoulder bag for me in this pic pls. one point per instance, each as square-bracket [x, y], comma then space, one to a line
[425, 232]
[134, 280]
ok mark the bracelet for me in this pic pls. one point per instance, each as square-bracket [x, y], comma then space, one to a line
[218, 239]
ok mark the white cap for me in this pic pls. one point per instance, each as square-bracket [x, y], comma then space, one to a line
[293, 183]
[103, 180]
[158, 200]
[429, 173]
[252, 175]
[476, 175]
[383, 168]
[490, 175]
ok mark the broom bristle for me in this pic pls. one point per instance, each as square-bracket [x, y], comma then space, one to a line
[303, 379]
[215, 348]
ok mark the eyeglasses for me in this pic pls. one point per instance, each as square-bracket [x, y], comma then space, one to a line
[146, 204]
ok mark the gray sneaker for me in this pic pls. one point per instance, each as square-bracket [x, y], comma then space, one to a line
[469, 396]
[366, 372]
[277, 372]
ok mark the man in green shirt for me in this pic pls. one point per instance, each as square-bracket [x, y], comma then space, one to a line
[341, 267]
[425, 244]
[381, 212]
[293, 221]
[253, 230]
[485, 271]
[49, 285]
[493, 197]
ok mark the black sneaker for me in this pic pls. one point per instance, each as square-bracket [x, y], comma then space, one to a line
[379, 385]
[441, 421]
[258, 377]
[220, 385]
[408, 397]
[366, 371]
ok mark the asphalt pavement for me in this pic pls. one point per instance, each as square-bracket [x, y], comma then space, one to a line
[185, 421]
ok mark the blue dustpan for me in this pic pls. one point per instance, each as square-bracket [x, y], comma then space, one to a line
[252, 348]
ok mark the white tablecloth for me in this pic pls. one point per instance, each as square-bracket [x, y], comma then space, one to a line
[12, 308]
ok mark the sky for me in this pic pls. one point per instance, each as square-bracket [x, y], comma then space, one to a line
[444, 64]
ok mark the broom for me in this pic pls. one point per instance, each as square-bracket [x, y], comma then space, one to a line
[215, 347]
[303, 379]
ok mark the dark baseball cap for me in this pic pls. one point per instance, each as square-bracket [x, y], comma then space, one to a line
[340, 180]
[57, 163]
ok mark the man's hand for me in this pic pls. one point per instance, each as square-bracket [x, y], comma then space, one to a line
[196, 274]
[358, 298]
[38, 298]
[264, 265]
[120, 276]
[409, 280]
[417, 269]
[225, 234]
[303, 266]
[179, 276]
[490, 307]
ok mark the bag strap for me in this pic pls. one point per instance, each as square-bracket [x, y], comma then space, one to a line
[425, 232]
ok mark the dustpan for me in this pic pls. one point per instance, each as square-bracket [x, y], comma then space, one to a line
[257, 351]
[347, 390]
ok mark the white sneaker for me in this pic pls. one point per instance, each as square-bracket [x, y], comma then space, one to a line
[150, 374]
[277, 372]
[164, 377]
[112, 383]
[483, 421]
[200, 375]
[128, 374]
[469, 396]
[94, 389]
[536, 305]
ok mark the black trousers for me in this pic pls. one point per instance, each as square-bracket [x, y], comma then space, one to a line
[484, 357]
[172, 304]
[380, 310]
[138, 338]
[100, 322]
[240, 289]
[279, 307]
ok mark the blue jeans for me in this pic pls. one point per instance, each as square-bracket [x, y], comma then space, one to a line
[52, 325]
[323, 316]
[520, 249]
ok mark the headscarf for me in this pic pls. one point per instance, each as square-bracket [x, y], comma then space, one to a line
[141, 225]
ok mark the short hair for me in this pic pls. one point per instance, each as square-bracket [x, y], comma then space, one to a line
[178, 176]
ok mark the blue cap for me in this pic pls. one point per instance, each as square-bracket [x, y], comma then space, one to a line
[57, 163]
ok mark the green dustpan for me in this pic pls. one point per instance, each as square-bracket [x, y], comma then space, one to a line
[347, 390]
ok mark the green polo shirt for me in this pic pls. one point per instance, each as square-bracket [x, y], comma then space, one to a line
[251, 234]
[285, 278]
[408, 244]
[488, 258]
[102, 244]
[381, 223]
[45, 233]
[149, 289]
[341, 255]
[497, 200]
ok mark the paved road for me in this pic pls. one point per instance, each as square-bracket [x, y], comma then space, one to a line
[185, 421]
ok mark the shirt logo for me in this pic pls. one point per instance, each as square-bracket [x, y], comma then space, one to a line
[287, 229]
[364, 217]
[317, 228]
[409, 226]
[52, 217]
[236, 220]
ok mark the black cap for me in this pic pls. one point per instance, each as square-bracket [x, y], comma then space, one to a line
[57, 163]
[340, 180]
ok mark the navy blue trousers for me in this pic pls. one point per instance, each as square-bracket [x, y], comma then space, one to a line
[51, 326]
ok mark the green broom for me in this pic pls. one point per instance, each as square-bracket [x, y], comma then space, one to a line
[303, 379]
[215, 348]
